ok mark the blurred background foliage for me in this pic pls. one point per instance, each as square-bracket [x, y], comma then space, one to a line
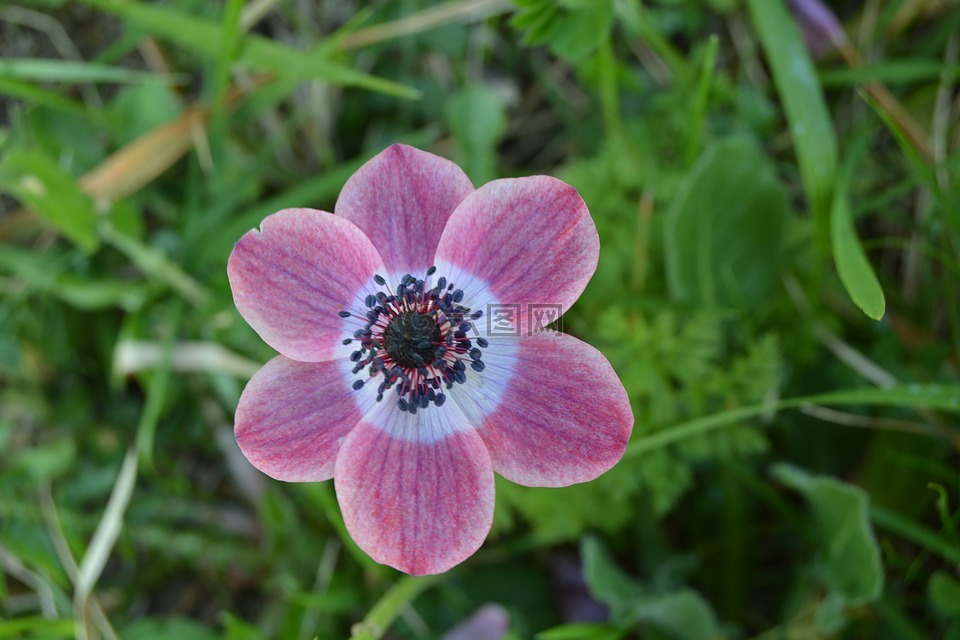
[776, 188]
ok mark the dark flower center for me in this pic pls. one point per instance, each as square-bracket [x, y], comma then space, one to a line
[415, 340]
[411, 339]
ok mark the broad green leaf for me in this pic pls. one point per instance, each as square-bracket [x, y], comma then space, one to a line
[811, 127]
[606, 581]
[37, 181]
[944, 592]
[136, 110]
[236, 628]
[682, 615]
[723, 235]
[854, 269]
[580, 31]
[850, 555]
[478, 122]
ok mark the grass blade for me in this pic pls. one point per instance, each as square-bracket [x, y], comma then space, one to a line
[915, 396]
[854, 269]
[34, 95]
[95, 558]
[809, 120]
[207, 37]
[72, 72]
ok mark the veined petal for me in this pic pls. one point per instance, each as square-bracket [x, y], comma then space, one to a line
[419, 504]
[402, 198]
[291, 278]
[293, 416]
[531, 240]
[564, 418]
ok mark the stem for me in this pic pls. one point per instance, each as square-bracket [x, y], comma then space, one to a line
[397, 598]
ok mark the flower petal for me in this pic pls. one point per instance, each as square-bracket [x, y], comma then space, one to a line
[564, 418]
[531, 240]
[401, 199]
[416, 491]
[291, 278]
[293, 416]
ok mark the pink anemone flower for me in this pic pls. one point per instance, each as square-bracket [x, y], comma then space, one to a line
[413, 364]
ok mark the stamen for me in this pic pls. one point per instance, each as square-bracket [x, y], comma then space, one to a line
[415, 341]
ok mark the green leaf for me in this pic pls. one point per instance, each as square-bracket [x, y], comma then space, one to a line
[45, 272]
[683, 615]
[579, 32]
[137, 109]
[854, 269]
[37, 627]
[236, 628]
[918, 396]
[582, 631]
[942, 397]
[48, 460]
[206, 37]
[944, 592]
[37, 181]
[811, 127]
[723, 236]
[156, 264]
[606, 581]
[890, 72]
[70, 71]
[34, 95]
[477, 120]
[849, 551]
[168, 629]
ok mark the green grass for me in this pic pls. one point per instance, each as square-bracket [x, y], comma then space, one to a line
[777, 289]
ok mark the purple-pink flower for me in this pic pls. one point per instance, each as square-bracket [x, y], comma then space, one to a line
[395, 379]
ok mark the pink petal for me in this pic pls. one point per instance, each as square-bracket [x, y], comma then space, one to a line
[293, 416]
[416, 492]
[291, 278]
[531, 240]
[565, 417]
[401, 199]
